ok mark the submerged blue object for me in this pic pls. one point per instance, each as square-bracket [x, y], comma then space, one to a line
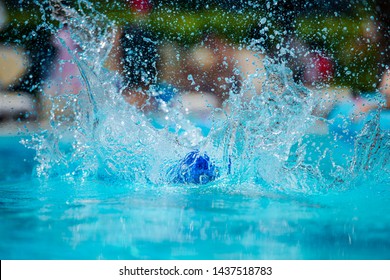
[194, 168]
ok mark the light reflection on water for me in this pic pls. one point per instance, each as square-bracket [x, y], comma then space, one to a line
[98, 220]
[104, 194]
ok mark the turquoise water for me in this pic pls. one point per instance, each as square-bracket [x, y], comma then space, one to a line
[95, 185]
[96, 219]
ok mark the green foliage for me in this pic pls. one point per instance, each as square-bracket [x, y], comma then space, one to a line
[352, 42]
[345, 39]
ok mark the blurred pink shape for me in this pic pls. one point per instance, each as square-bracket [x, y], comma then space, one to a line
[66, 77]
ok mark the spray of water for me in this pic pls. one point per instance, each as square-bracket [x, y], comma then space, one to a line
[262, 140]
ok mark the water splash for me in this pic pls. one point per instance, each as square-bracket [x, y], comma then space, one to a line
[261, 140]
[371, 158]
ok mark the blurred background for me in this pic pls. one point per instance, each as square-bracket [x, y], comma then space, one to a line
[338, 48]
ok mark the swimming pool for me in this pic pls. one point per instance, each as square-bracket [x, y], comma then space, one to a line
[96, 185]
[96, 219]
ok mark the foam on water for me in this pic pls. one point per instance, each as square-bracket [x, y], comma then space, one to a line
[261, 141]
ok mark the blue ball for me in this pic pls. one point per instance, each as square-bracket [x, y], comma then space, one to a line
[194, 168]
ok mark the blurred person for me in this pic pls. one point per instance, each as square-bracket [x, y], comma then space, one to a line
[13, 65]
[218, 68]
[25, 60]
[318, 70]
[138, 64]
[65, 78]
[142, 7]
[137, 54]
[209, 68]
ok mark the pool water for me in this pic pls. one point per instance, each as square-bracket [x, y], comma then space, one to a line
[97, 219]
[97, 185]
